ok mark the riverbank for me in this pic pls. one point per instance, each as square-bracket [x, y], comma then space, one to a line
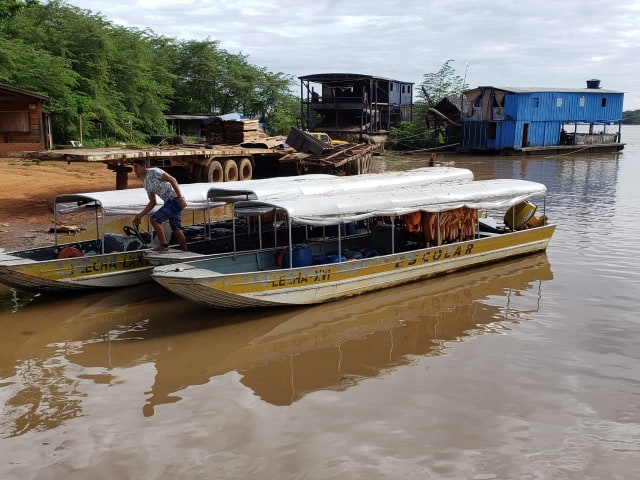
[27, 191]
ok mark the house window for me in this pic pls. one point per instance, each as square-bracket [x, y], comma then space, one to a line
[604, 101]
[559, 102]
[391, 87]
[15, 122]
[535, 102]
[582, 101]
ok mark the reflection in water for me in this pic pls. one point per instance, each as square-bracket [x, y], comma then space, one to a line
[11, 300]
[38, 383]
[280, 354]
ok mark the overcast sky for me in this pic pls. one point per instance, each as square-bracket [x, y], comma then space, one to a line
[535, 43]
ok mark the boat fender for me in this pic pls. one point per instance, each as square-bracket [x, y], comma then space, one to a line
[69, 252]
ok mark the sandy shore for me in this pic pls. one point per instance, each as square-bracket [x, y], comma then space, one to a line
[27, 191]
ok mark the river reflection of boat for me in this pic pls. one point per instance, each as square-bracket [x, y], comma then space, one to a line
[284, 354]
[281, 354]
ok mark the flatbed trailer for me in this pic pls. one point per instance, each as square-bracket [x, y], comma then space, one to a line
[219, 163]
[188, 163]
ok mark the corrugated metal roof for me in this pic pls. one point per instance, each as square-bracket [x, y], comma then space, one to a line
[332, 77]
[547, 89]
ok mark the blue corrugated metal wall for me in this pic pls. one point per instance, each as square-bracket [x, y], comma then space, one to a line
[544, 113]
[566, 106]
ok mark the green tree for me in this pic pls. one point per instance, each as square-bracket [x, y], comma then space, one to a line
[117, 83]
[197, 76]
[285, 112]
[213, 81]
[631, 117]
[8, 8]
[434, 88]
[441, 84]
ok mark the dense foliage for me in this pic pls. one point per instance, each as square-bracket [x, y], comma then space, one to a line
[108, 84]
[117, 83]
[631, 117]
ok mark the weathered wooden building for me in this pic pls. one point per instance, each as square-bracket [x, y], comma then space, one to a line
[444, 121]
[348, 104]
[23, 124]
[527, 120]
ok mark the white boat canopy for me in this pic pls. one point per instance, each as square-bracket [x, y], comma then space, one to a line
[127, 202]
[294, 187]
[348, 207]
[132, 201]
[201, 196]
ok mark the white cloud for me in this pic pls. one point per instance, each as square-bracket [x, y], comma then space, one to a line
[539, 43]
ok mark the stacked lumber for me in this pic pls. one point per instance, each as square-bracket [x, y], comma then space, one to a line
[214, 131]
[233, 132]
[241, 131]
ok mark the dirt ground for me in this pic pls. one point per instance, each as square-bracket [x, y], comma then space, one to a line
[27, 191]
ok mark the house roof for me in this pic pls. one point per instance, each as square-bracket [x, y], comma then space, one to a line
[346, 77]
[8, 92]
[545, 89]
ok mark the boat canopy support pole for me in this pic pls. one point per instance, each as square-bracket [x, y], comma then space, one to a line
[100, 232]
[393, 234]
[275, 230]
[290, 242]
[233, 230]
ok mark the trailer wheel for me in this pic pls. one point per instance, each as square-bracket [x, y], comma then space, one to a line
[230, 171]
[245, 169]
[213, 173]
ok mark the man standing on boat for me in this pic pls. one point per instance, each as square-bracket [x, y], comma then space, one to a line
[158, 182]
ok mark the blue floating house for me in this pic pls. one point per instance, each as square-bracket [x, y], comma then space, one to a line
[538, 120]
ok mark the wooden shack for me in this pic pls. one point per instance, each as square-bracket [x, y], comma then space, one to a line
[444, 121]
[23, 124]
[348, 105]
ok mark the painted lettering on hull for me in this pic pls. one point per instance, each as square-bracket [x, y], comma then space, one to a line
[83, 266]
[435, 255]
[325, 274]
[113, 263]
[318, 276]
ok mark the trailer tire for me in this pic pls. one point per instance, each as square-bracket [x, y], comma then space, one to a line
[213, 172]
[230, 171]
[245, 169]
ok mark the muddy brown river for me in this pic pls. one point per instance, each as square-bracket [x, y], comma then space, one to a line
[527, 369]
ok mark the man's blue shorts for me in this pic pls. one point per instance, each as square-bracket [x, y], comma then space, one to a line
[172, 211]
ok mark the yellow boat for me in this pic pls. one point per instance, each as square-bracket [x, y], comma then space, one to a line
[112, 260]
[371, 247]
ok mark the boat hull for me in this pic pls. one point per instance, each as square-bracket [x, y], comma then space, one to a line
[323, 283]
[76, 273]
